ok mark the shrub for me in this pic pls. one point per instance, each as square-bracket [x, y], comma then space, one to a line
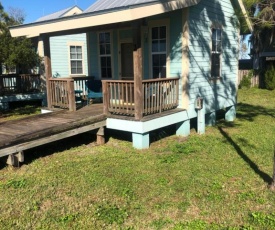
[246, 80]
[270, 78]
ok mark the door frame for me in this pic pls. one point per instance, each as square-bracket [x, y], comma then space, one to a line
[122, 41]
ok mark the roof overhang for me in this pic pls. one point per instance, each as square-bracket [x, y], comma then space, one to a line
[99, 18]
[246, 25]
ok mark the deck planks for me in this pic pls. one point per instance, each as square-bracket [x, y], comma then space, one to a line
[44, 128]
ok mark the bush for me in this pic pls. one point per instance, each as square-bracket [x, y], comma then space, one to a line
[246, 80]
[270, 78]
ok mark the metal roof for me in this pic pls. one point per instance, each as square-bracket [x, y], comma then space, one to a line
[101, 5]
[55, 15]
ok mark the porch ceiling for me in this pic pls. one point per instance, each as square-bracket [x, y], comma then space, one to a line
[99, 18]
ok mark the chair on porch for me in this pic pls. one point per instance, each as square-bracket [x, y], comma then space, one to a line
[94, 90]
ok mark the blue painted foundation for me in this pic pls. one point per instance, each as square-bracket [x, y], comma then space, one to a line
[183, 128]
[141, 140]
[210, 119]
[230, 114]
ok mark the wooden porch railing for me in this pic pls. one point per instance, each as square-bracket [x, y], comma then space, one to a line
[80, 83]
[62, 93]
[158, 95]
[22, 83]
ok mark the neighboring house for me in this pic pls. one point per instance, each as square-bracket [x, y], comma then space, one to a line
[196, 41]
[68, 52]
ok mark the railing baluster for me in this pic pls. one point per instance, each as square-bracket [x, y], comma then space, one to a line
[159, 95]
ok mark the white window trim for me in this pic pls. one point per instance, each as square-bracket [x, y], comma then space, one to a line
[158, 23]
[72, 43]
[111, 55]
[216, 26]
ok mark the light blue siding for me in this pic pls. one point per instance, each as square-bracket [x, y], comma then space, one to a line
[93, 55]
[94, 61]
[221, 93]
[60, 54]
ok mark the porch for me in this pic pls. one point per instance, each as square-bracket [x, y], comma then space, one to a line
[21, 87]
[120, 98]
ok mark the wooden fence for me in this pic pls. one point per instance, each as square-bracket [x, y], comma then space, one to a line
[254, 79]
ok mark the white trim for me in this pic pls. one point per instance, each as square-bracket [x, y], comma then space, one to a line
[216, 26]
[121, 41]
[76, 43]
[86, 20]
[111, 54]
[146, 126]
[158, 23]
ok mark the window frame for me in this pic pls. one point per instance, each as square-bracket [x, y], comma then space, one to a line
[110, 55]
[159, 24]
[76, 44]
[216, 50]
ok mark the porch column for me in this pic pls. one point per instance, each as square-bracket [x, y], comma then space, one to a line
[201, 120]
[48, 67]
[137, 56]
[183, 128]
[141, 140]
[230, 114]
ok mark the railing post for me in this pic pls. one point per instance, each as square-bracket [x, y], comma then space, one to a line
[137, 56]
[48, 67]
[105, 97]
[71, 94]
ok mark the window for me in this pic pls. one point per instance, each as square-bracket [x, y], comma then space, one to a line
[158, 39]
[76, 60]
[216, 52]
[105, 54]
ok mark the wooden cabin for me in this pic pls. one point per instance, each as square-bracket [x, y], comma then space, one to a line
[161, 63]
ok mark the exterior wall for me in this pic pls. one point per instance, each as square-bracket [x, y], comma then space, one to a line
[217, 94]
[59, 46]
[220, 93]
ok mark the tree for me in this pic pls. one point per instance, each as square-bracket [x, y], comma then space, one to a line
[15, 52]
[262, 16]
[243, 49]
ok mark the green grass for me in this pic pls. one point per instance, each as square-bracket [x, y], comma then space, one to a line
[19, 112]
[214, 181]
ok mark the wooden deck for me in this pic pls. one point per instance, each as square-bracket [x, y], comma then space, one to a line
[19, 135]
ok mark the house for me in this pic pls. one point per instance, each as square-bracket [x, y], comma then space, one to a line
[63, 47]
[161, 63]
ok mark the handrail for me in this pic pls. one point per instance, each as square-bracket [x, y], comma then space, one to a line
[62, 93]
[158, 95]
[20, 83]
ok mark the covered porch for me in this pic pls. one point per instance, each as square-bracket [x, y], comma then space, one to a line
[148, 97]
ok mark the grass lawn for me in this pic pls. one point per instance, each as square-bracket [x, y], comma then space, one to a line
[214, 181]
[20, 110]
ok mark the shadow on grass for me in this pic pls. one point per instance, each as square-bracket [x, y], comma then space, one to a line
[58, 146]
[266, 178]
[249, 112]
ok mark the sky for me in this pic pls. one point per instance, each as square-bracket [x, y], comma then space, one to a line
[35, 9]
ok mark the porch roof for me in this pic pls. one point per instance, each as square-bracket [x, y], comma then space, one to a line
[97, 16]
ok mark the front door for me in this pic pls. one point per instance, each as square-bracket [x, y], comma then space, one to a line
[127, 66]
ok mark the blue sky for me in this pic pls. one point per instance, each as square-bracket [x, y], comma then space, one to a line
[35, 9]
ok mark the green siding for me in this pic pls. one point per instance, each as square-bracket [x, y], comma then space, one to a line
[60, 54]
